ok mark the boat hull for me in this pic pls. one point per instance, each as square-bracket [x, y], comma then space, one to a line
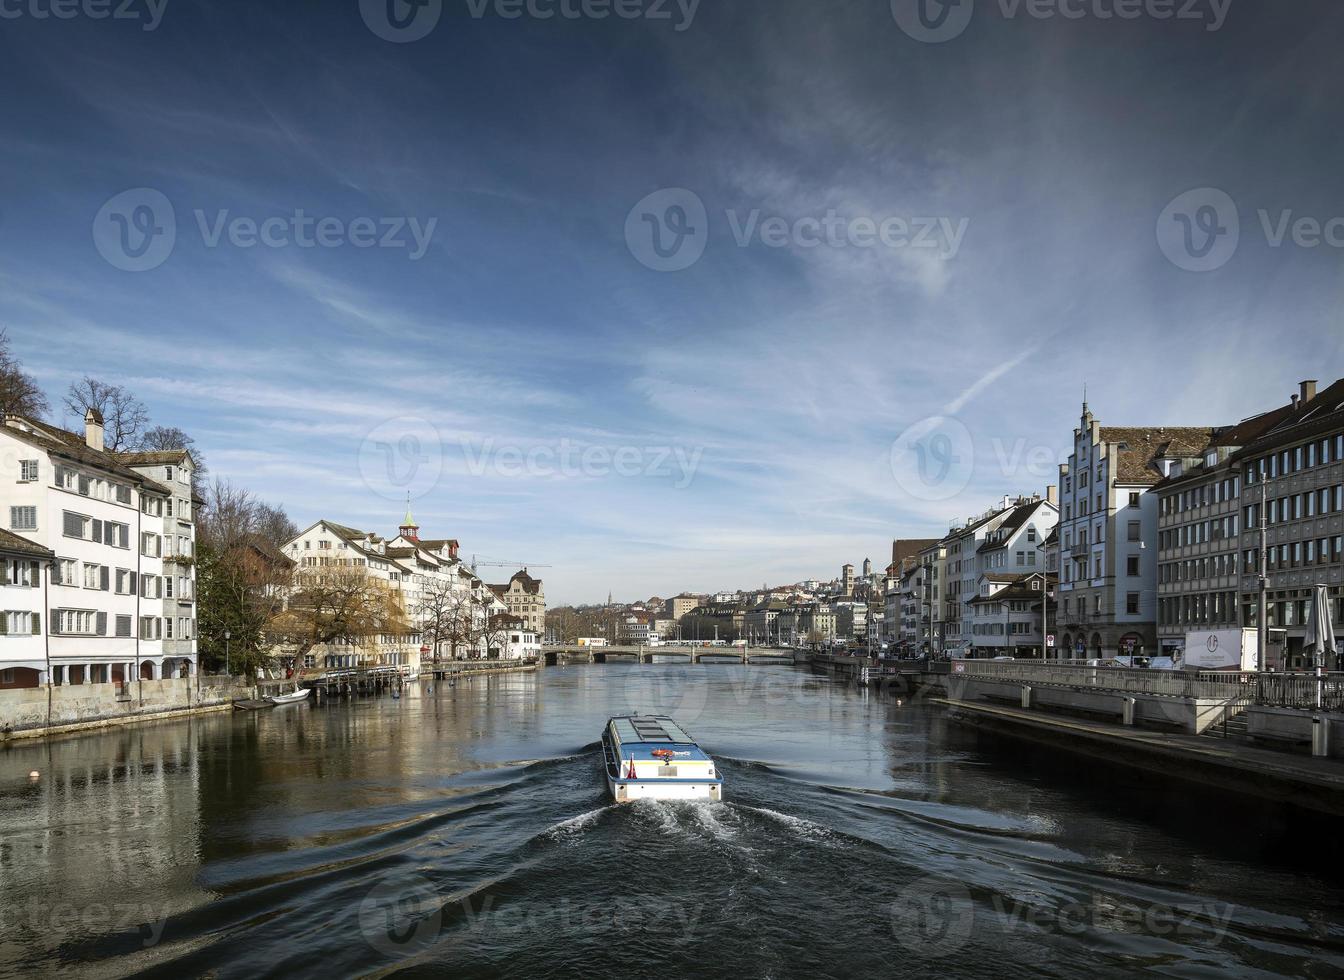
[630, 790]
[292, 698]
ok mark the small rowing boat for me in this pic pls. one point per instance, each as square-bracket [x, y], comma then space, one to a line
[292, 697]
[651, 757]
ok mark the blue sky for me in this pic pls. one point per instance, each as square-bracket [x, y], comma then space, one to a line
[740, 413]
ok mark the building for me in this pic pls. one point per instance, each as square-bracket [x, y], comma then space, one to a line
[933, 559]
[1005, 615]
[418, 572]
[120, 584]
[23, 643]
[683, 605]
[511, 638]
[525, 599]
[1292, 480]
[847, 580]
[1108, 553]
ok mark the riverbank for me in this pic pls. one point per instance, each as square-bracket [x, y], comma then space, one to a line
[1283, 777]
[39, 712]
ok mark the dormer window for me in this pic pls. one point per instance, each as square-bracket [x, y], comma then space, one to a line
[1211, 459]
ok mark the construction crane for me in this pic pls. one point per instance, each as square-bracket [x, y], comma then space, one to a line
[524, 565]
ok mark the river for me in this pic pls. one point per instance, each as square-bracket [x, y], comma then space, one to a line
[466, 829]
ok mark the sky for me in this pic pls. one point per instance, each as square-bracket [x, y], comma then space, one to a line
[703, 296]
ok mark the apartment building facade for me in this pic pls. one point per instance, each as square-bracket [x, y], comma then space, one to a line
[1108, 585]
[1292, 481]
[119, 595]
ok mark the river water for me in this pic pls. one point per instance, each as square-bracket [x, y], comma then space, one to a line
[466, 830]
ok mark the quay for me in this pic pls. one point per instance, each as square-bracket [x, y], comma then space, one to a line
[1279, 736]
[1303, 781]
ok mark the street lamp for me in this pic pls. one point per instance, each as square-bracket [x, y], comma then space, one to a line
[227, 672]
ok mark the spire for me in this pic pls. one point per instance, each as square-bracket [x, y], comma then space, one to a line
[409, 529]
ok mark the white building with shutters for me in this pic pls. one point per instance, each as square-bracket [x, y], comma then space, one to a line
[119, 595]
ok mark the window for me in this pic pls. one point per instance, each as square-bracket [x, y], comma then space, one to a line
[96, 577]
[1132, 566]
[20, 623]
[27, 470]
[150, 545]
[1134, 527]
[1132, 603]
[79, 622]
[23, 518]
[168, 474]
[123, 626]
[151, 628]
[1133, 499]
[125, 582]
[75, 525]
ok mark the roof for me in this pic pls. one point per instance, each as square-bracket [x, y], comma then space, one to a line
[154, 457]
[1011, 523]
[1139, 446]
[528, 583]
[636, 729]
[268, 550]
[1323, 414]
[11, 543]
[70, 445]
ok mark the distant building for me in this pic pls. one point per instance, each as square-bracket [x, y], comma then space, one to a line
[683, 604]
[525, 598]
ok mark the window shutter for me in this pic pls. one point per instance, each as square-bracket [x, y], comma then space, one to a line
[102, 624]
[37, 624]
[133, 586]
[105, 575]
[97, 531]
[56, 572]
[35, 575]
[55, 621]
[4, 624]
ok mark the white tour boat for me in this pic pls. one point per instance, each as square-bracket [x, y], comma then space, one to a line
[650, 757]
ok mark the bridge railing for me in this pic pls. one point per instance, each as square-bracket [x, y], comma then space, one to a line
[1271, 689]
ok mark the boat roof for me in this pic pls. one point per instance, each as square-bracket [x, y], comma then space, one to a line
[634, 729]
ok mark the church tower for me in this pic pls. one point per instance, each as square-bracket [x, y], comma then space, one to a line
[409, 529]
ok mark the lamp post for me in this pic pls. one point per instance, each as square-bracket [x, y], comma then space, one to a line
[227, 635]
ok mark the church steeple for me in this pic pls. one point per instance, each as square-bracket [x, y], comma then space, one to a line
[409, 529]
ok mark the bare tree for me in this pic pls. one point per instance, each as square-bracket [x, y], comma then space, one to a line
[19, 393]
[163, 437]
[273, 524]
[124, 415]
[344, 605]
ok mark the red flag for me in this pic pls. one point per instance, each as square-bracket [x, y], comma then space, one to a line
[632, 767]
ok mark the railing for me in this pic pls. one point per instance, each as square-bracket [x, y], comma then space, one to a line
[1269, 689]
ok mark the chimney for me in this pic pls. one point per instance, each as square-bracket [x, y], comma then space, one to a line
[1052, 494]
[93, 429]
[1308, 391]
[1296, 404]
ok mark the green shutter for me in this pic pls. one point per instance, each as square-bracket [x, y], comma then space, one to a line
[37, 624]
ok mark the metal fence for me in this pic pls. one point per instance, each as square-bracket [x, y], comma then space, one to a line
[1270, 689]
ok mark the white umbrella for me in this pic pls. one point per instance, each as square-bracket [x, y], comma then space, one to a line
[1320, 636]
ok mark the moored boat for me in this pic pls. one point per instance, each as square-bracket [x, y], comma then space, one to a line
[651, 757]
[299, 695]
